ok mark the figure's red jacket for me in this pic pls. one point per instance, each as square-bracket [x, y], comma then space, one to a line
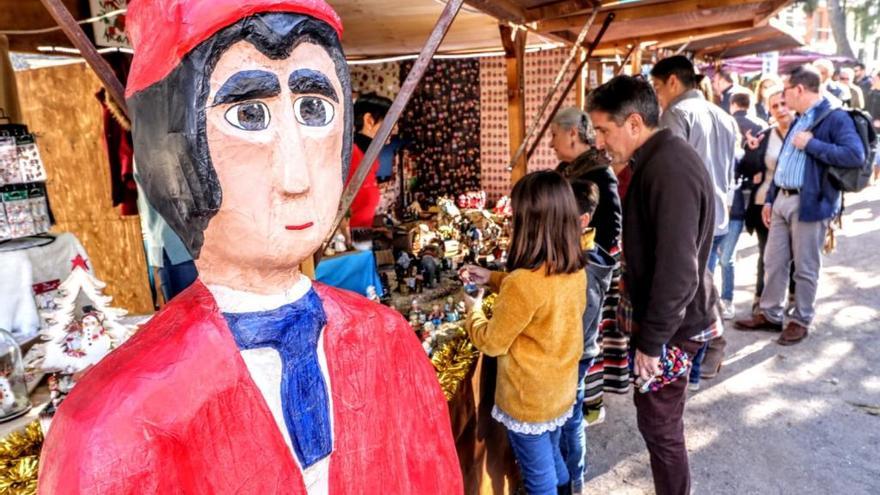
[175, 411]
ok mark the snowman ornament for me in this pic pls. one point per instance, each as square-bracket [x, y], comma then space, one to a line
[7, 398]
[95, 343]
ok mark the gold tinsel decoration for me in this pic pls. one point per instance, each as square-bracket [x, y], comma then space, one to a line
[452, 362]
[20, 459]
[489, 305]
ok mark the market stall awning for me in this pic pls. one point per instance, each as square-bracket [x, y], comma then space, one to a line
[376, 28]
[372, 27]
[768, 38]
[644, 21]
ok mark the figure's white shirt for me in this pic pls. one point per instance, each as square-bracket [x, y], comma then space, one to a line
[264, 366]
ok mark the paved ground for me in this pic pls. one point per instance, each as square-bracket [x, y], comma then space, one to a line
[779, 420]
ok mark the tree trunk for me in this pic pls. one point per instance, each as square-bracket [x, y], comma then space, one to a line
[837, 16]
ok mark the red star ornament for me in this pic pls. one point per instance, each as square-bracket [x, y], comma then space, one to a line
[79, 261]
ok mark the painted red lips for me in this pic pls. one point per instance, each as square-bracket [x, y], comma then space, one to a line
[300, 227]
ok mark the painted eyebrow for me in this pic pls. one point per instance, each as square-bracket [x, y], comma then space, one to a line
[307, 81]
[246, 85]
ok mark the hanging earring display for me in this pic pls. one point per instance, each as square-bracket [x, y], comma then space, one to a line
[29, 160]
[10, 171]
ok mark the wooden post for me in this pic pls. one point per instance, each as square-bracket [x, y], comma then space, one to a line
[88, 51]
[514, 42]
[580, 88]
[636, 61]
[406, 91]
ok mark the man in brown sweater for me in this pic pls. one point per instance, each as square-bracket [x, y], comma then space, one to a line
[668, 222]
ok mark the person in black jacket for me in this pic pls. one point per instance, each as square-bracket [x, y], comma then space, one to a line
[667, 298]
[759, 163]
[572, 140]
[740, 103]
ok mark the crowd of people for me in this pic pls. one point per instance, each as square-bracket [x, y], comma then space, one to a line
[658, 180]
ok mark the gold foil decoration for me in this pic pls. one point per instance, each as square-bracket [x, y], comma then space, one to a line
[489, 305]
[452, 362]
[19, 460]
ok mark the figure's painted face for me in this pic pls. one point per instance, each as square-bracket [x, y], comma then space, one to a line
[275, 132]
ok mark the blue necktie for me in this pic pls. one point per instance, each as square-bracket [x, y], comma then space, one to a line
[293, 331]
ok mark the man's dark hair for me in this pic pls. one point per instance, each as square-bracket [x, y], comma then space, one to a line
[623, 96]
[169, 126]
[742, 99]
[586, 193]
[678, 66]
[806, 76]
[370, 103]
[860, 65]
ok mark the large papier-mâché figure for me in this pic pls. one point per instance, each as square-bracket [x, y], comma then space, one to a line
[254, 380]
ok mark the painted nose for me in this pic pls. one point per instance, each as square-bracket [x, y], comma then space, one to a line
[290, 165]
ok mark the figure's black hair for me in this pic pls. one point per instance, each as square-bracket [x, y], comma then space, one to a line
[169, 126]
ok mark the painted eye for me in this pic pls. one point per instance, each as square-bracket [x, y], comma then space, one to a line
[248, 116]
[312, 111]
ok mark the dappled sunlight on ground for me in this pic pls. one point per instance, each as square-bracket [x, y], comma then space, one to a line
[778, 420]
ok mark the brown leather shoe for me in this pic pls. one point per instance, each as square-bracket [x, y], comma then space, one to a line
[792, 334]
[757, 322]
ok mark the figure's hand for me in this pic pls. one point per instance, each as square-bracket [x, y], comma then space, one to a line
[758, 178]
[754, 142]
[765, 215]
[473, 302]
[801, 139]
[474, 274]
[646, 367]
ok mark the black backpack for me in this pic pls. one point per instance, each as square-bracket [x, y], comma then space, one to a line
[854, 179]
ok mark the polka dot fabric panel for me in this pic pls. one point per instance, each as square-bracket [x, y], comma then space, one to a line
[540, 71]
[442, 127]
[382, 79]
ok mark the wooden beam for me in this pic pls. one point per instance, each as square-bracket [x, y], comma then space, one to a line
[638, 12]
[560, 8]
[503, 10]
[406, 91]
[88, 51]
[514, 42]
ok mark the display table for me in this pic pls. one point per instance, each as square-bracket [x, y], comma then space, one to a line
[487, 462]
[354, 271]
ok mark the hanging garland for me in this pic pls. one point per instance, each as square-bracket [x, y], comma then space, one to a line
[20, 459]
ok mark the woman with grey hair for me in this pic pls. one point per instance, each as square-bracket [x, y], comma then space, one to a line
[572, 140]
[581, 162]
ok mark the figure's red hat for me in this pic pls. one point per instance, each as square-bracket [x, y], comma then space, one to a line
[162, 32]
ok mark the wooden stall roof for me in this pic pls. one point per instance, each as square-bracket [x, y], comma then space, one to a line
[770, 37]
[375, 28]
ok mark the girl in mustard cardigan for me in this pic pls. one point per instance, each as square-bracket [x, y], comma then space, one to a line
[536, 330]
